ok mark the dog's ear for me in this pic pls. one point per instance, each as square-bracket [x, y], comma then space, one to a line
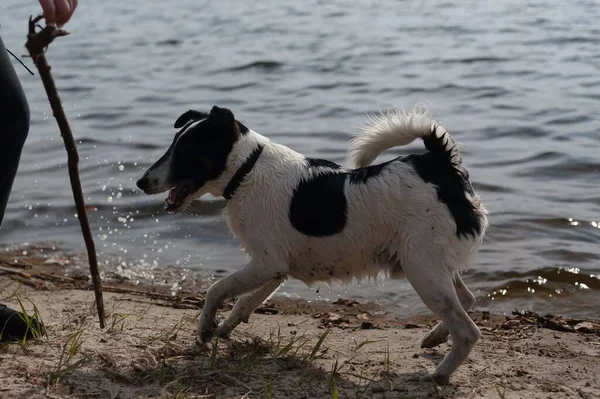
[222, 114]
[188, 116]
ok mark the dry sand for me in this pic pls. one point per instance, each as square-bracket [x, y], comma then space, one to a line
[290, 349]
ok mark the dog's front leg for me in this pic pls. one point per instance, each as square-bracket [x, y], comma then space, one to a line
[251, 277]
[245, 306]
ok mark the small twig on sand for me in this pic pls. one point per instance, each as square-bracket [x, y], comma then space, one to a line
[36, 44]
[64, 282]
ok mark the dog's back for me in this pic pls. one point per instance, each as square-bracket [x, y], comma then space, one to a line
[333, 223]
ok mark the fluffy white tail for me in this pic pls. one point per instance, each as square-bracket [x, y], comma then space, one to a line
[399, 127]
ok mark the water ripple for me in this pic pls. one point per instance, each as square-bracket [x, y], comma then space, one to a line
[515, 82]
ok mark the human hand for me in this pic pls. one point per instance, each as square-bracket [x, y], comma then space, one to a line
[58, 12]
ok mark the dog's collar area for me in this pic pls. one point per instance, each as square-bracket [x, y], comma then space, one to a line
[241, 173]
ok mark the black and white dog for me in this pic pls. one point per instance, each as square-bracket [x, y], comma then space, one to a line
[415, 216]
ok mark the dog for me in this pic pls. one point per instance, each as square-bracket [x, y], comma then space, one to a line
[415, 217]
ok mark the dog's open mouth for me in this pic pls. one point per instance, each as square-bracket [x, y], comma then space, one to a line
[176, 197]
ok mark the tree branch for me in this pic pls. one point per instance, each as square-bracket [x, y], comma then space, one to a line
[36, 44]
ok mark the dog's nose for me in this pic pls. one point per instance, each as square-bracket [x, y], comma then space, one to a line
[143, 183]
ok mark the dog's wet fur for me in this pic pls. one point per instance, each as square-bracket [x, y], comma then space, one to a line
[415, 216]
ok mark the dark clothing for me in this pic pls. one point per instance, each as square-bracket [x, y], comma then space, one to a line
[16, 326]
[14, 125]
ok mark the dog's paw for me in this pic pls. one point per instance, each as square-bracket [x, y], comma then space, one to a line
[439, 379]
[206, 330]
[223, 331]
[434, 338]
[429, 342]
[206, 336]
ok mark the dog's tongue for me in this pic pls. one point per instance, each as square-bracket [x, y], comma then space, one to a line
[176, 196]
[172, 198]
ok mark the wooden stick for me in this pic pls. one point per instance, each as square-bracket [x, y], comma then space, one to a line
[37, 42]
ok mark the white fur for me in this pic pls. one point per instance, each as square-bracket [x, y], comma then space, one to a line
[396, 225]
[395, 128]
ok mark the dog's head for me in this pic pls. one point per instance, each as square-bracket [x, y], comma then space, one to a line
[197, 156]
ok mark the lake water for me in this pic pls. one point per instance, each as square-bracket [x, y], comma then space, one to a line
[516, 82]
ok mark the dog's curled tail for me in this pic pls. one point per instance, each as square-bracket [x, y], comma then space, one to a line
[398, 127]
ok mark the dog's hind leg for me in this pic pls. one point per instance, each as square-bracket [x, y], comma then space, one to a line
[245, 306]
[250, 278]
[439, 334]
[436, 289]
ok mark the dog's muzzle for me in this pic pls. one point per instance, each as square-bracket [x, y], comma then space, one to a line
[143, 183]
[149, 185]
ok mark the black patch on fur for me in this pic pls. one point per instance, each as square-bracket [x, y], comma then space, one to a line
[315, 163]
[199, 153]
[189, 116]
[241, 173]
[243, 129]
[451, 181]
[356, 176]
[318, 206]
[362, 175]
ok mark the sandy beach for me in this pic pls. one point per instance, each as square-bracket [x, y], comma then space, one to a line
[289, 349]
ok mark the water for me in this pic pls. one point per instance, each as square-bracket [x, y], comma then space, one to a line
[515, 82]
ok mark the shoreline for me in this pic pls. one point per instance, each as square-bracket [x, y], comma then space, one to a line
[290, 348]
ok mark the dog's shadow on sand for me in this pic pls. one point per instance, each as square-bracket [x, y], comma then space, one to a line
[248, 368]
[435, 356]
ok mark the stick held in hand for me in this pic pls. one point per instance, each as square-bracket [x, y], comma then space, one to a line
[36, 44]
